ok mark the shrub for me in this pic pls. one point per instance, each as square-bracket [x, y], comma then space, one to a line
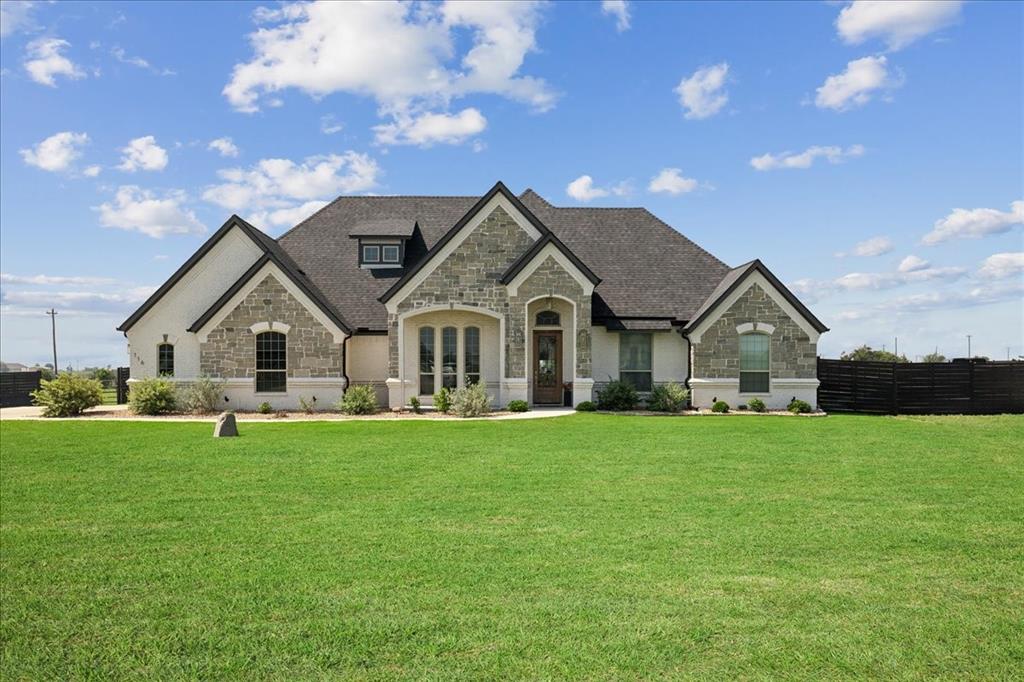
[156, 395]
[443, 400]
[720, 407]
[414, 403]
[264, 408]
[618, 395]
[670, 397]
[518, 406]
[799, 406]
[68, 395]
[471, 401]
[757, 405]
[203, 395]
[307, 406]
[359, 400]
[586, 406]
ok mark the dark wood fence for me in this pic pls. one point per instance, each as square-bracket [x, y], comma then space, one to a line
[958, 387]
[122, 385]
[15, 387]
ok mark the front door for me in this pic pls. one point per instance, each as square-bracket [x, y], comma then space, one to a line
[547, 367]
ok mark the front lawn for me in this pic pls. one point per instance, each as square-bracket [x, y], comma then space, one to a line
[589, 546]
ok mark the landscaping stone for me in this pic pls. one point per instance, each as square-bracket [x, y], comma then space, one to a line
[226, 426]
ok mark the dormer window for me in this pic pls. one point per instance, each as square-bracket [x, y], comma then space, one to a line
[380, 255]
[382, 241]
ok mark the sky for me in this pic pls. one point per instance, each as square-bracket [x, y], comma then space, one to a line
[870, 154]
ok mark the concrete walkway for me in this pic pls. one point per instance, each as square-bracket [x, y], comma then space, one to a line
[120, 413]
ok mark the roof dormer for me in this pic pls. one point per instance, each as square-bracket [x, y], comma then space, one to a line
[382, 242]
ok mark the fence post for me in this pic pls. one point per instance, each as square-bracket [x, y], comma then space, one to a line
[895, 392]
[970, 384]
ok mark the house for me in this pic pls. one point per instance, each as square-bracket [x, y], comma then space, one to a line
[408, 294]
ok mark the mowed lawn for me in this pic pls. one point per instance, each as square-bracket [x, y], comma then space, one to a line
[588, 546]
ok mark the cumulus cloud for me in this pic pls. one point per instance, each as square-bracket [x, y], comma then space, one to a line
[805, 158]
[983, 294]
[140, 210]
[8, 278]
[875, 246]
[1002, 265]
[91, 171]
[15, 15]
[274, 191]
[44, 61]
[143, 153]
[122, 299]
[890, 280]
[223, 146]
[671, 181]
[703, 93]
[618, 9]
[897, 22]
[912, 263]
[975, 223]
[426, 130]
[582, 189]
[409, 57]
[57, 152]
[854, 87]
[330, 126]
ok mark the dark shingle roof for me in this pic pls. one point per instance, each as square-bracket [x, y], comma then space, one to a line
[387, 227]
[646, 268]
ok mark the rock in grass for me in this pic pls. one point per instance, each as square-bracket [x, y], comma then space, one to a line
[225, 426]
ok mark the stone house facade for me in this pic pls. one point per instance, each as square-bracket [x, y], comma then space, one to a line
[411, 294]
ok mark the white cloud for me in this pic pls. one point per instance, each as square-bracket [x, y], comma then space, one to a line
[805, 158]
[875, 246]
[944, 300]
[427, 130]
[123, 57]
[44, 61]
[898, 22]
[273, 191]
[15, 16]
[91, 171]
[582, 189]
[890, 280]
[974, 223]
[75, 301]
[912, 263]
[330, 126]
[702, 94]
[671, 181]
[224, 146]
[856, 85]
[618, 9]
[8, 278]
[289, 216]
[1002, 265]
[143, 153]
[142, 211]
[57, 152]
[406, 56]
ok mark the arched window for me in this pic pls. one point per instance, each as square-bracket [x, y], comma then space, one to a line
[271, 362]
[165, 360]
[754, 363]
[450, 357]
[471, 356]
[548, 318]
[426, 360]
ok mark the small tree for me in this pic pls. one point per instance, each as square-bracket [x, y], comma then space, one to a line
[68, 395]
[155, 395]
[934, 357]
[359, 400]
[867, 353]
[103, 375]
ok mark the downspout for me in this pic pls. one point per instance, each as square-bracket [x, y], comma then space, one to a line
[689, 369]
[344, 362]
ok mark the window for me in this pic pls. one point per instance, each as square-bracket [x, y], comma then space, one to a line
[426, 360]
[450, 357]
[471, 356]
[548, 318]
[754, 363]
[271, 362]
[389, 253]
[165, 360]
[371, 253]
[635, 360]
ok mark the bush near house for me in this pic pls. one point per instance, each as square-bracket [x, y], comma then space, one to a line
[757, 405]
[720, 406]
[670, 397]
[307, 405]
[264, 408]
[618, 396]
[359, 400]
[518, 406]
[799, 407]
[203, 396]
[68, 395]
[586, 406]
[152, 396]
[471, 401]
[443, 400]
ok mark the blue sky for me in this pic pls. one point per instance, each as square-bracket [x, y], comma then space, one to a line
[869, 154]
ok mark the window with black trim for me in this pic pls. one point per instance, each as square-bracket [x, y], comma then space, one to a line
[165, 360]
[635, 359]
[426, 360]
[548, 318]
[450, 357]
[471, 356]
[371, 253]
[271, 362]
[754, 363]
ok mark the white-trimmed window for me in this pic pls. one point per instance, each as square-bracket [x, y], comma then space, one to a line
[471, 356]
[165, 360]
[635, 359]
[271, 362]
[371, 253]
[450, 357]
[755, 363]
[426, 360]
[389, 253]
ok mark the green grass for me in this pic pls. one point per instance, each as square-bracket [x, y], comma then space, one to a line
[590, 546]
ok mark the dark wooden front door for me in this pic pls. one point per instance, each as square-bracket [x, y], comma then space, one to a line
[547, 368]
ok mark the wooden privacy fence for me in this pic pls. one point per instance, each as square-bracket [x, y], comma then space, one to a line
[122, 385]
[958, 387]
[15, 387]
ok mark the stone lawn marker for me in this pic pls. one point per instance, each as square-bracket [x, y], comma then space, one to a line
[225, 426]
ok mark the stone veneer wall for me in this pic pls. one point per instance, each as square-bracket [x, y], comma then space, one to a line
[230, 348]
[471, 276]
[717, 356]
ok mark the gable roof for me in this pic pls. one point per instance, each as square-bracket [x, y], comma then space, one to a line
[537, 247]
[733, 279]
[271, 250]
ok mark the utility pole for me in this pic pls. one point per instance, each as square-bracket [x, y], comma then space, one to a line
[896, 346]
[53, 330]
[969, 346]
